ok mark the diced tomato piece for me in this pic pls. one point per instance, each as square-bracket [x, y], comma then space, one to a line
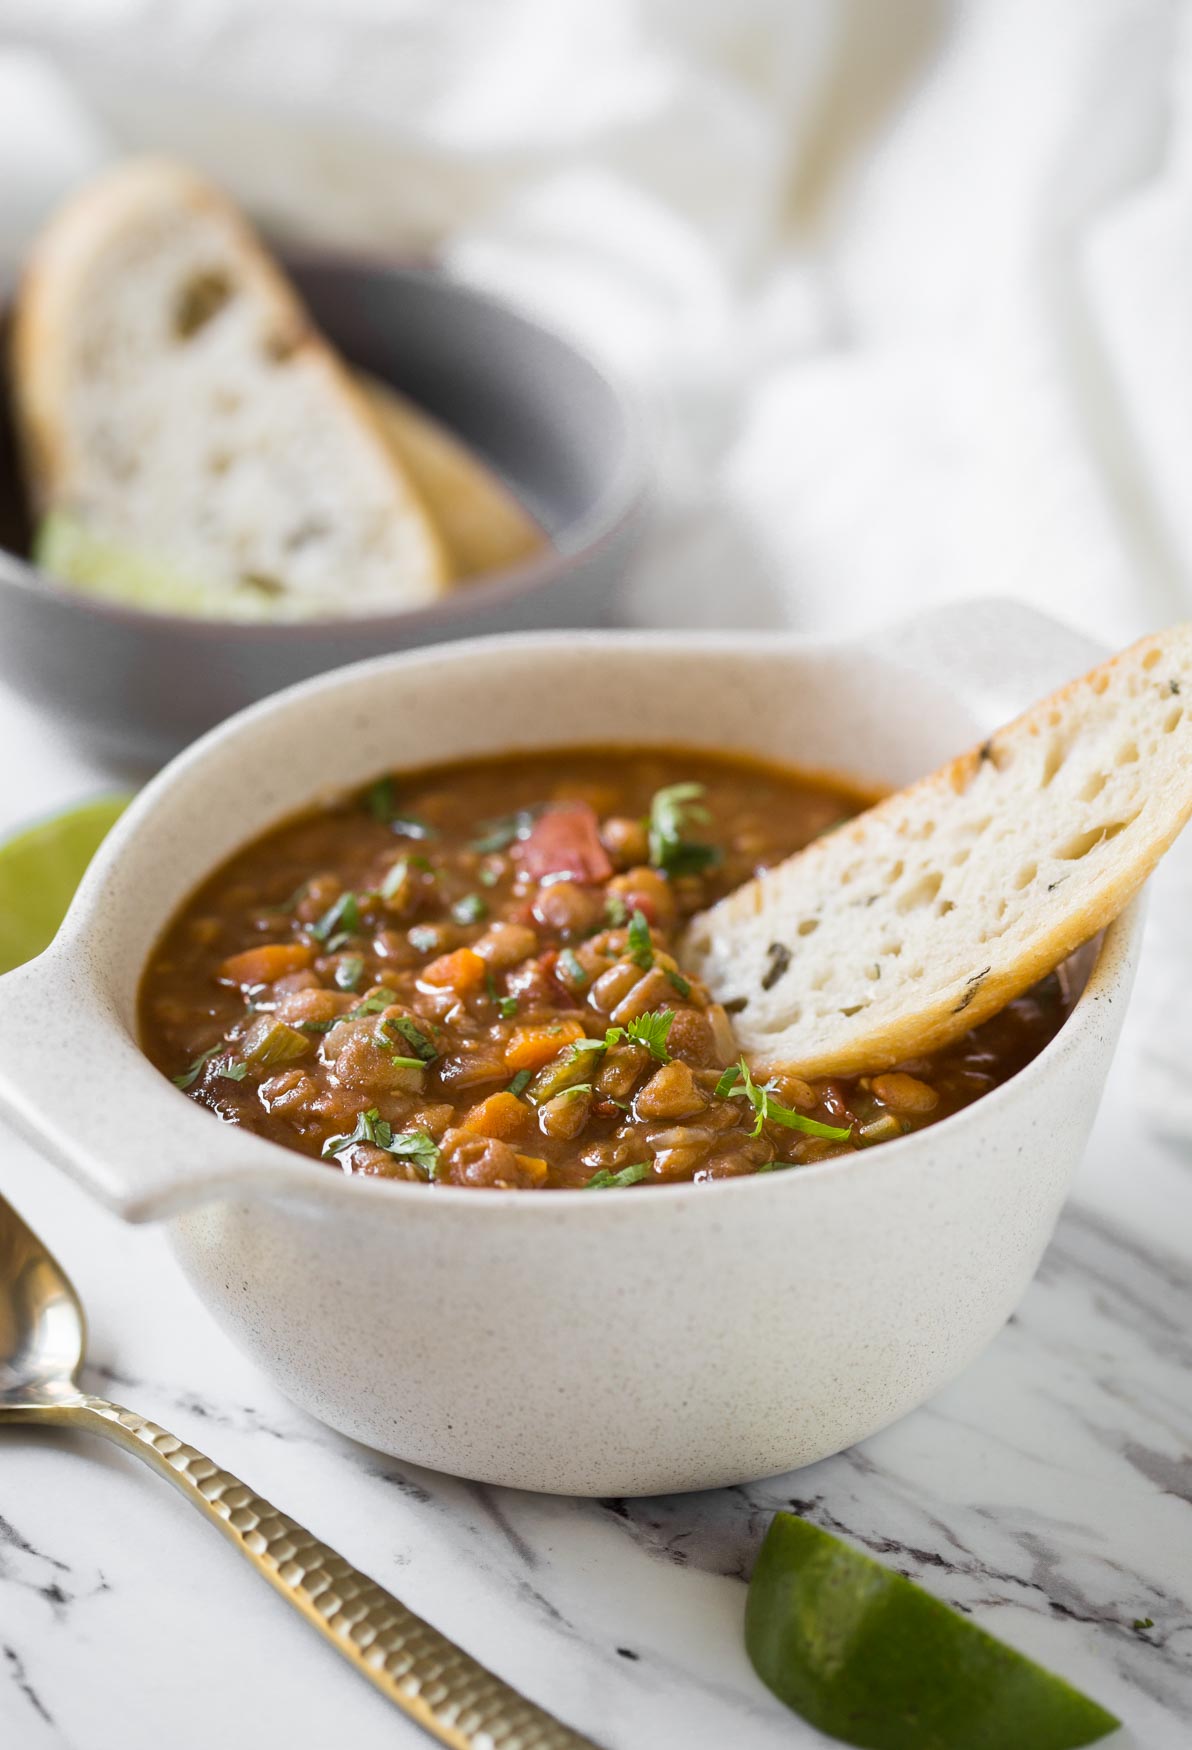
[565, 841]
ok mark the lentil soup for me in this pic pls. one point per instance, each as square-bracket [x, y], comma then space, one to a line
[467, 976]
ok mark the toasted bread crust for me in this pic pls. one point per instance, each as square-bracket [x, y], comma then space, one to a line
[484, 526]
[931, 911]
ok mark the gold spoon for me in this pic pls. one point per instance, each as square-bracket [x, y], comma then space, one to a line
[42, 1337]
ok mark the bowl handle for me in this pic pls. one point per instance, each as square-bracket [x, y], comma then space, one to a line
[70, 1076]
[999, 655]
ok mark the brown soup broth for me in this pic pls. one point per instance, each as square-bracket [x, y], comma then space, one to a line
[467, 975]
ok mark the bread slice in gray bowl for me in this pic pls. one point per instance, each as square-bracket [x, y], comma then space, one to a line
[136, 684]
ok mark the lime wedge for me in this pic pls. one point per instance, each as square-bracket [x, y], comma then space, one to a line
[73, 553]
[70, 551]
[39, 871]
[868, 1657]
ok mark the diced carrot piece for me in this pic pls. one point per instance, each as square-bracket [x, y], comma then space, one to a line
[462, 971]
[531, 1047]
[502, 1115]
[533, 1167]
[265, 965]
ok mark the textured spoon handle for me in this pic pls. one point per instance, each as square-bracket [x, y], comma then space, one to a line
[448, 1693]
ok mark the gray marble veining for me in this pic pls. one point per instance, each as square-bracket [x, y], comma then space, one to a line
[1048, 1492]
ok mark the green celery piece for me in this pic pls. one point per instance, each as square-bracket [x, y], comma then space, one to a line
[577, 1063]
[868, 1657]
[270, 1042]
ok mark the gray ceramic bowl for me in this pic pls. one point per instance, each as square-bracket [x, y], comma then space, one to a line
[137, 686]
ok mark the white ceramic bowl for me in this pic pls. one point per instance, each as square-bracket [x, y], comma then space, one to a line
[676, 1338]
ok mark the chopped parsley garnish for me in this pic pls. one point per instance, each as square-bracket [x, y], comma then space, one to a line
[471, 909]
[679, 983]
[506, 1006]
[227, 1067]
[498, 835]
[728, 1081]
[520, 1082]
[650, 1030]
[423, 938]
[1144, 1622]
[381, 800]
[672, 812]
[633, 1175]
[349, 972]
[615, 910]
[370, 1006]
[342, 917]
[414, 1037]
[583, 1047]
[380, 999]
[569, 1093]
[737, 1081]
[411, 1145]
[641, 947]
[417, 1146]
[387, 1036]
[569, 961]
[191, 1074]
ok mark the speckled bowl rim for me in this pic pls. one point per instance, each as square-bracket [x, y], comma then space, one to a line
[621, 501]
[1109, 976]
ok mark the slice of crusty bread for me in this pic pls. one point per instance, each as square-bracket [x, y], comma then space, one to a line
[174, 402]
[483, 525]
[922, 917]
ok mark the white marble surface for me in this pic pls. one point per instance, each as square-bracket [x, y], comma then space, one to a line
[1049, 1492]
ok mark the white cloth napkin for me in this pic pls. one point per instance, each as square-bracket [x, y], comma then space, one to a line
[909, 288]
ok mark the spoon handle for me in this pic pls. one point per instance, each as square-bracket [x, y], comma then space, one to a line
[428, 1677]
